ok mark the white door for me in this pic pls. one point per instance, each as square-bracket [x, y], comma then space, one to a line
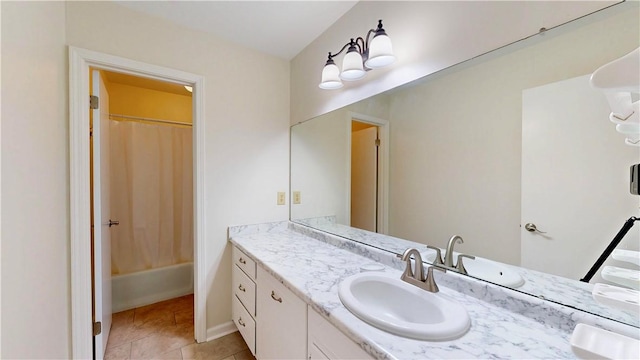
[364, 175]
[101, 214]
[575, 178]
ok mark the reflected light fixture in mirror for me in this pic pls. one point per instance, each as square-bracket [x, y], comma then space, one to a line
[189, 88]
[620, 82]
[362, 55]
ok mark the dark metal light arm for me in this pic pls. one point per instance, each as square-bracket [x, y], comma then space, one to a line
[339, 52]
[366, 42]
[364, 48]
[361, 43]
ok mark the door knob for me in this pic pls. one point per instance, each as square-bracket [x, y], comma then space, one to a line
[113, 222]
[533, 228]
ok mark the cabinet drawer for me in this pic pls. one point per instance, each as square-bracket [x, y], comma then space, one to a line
[245, 324]
[244, 262]
[245, 289]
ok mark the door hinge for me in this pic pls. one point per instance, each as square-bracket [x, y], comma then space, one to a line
[94, 102]
[97, 328]
[377, 142]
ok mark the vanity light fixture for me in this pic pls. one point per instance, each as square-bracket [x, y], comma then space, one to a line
[362, 55]
[189, 88]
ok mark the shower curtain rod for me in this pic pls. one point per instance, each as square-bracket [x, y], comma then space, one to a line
[149, 119]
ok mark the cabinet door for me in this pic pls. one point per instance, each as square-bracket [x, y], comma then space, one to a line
[281, 320]
[327, 342]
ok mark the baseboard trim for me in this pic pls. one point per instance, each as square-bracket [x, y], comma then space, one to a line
[221, 330]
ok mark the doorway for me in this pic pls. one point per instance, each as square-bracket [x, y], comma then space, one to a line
[81, 60]
[142, 141]
[368, 164]
[364, 175]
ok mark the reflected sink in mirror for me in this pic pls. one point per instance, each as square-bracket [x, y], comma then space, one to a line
[390, 304]
[493, 272]
[487, 270]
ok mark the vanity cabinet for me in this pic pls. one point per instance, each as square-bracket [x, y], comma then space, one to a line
[243, 302]
[325, 341]
[281, 320]
[276, 324]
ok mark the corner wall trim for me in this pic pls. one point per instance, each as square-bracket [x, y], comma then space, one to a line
[221, 330]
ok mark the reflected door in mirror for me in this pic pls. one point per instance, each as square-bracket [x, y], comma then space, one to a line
[364, 176]
[574, 178]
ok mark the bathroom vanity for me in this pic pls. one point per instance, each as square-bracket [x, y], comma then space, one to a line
[285, 328]
[296, 272]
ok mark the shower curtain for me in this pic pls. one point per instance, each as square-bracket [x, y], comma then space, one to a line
[151, 196]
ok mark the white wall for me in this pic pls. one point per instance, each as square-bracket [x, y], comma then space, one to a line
[247, 142]
[319, 169]
[246, 125]
[456, 139]
[0, 202]
[320, 163]
[36, 310]
[427, 36]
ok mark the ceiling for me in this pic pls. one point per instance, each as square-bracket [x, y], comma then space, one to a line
[280, 28]
[146, 83]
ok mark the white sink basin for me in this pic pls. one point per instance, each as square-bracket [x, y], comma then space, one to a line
[390, 304]
[488, 270]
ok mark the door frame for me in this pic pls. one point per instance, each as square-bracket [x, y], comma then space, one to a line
[80, 60]
[383, 168]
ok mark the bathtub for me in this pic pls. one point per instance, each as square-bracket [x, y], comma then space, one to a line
[150, 286]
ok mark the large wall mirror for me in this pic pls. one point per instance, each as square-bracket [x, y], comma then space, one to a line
[514, 137]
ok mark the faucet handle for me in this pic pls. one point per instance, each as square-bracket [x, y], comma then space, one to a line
[430, 282]
[438, 259]
[460, 266]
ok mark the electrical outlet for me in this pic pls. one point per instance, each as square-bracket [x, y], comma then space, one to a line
[296, 197]
[281, 197]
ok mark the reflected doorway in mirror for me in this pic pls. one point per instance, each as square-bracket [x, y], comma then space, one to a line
[367, 176]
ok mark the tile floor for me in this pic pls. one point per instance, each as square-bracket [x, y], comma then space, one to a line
[165, 331]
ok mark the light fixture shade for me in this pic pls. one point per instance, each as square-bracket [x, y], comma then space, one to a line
[352, 68]
[380, 52]
[330, 77]
[189, 88]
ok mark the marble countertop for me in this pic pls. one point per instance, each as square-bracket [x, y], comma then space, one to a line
[547, 286]
[312, 269]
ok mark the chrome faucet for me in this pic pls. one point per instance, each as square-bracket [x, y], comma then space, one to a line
[417, 277]
[408, 271]
[460, 266]
[448, 258]
[438, 259]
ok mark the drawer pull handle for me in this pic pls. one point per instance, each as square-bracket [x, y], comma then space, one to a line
[241, 288]
[273, 296]
[242, 261]
[241, 322]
